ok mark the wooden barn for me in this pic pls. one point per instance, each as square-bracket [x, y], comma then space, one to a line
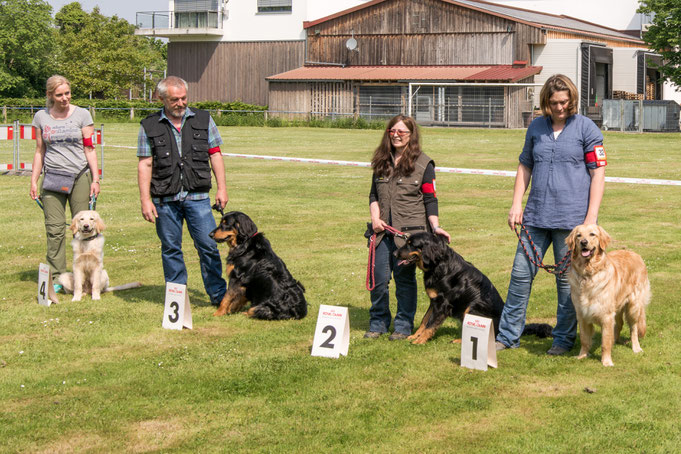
[445, 62]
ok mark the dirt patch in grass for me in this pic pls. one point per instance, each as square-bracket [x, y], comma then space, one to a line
[155, 434]
[84, 442]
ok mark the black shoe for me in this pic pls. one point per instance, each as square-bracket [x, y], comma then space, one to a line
[557, 350]
[398, 336]
[372, 335]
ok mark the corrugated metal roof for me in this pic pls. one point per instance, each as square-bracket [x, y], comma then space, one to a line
[534, 18]
[545, 19]
[482, 73]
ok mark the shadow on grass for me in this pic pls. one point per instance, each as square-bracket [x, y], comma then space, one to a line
[156, 294]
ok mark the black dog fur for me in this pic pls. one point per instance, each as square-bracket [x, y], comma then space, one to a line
[256, 273]
[455, 287]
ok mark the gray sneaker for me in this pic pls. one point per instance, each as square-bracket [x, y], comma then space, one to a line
[557, 350]
[500, 346]
[397, 336]
[372, 335]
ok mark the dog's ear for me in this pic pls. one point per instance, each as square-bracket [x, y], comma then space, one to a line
[603, 238]
[570, 240]
[433, 249]
[74, 224]
[100, 223]
[245, 227]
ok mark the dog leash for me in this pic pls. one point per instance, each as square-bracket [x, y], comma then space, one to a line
[40, 203]
[371, 280]
[558, 269]
[217, 208]
[93, 202]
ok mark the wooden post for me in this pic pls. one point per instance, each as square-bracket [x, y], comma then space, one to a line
[132, 113]
[4, 114]
[92, 112]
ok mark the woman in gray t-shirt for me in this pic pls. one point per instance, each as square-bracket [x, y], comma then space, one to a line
[64, 145]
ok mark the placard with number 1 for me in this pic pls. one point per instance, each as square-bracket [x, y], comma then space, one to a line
[478, 349]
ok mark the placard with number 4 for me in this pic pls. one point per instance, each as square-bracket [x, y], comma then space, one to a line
[46, 293]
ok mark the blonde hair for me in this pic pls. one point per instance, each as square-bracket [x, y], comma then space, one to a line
[51, 86]
[558, 82]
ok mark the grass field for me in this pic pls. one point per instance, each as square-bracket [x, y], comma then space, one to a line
[105, 377]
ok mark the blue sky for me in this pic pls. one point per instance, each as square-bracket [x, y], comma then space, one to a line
[125, 9]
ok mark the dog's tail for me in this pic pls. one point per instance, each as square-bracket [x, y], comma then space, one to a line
[127, 286]
[538, 329]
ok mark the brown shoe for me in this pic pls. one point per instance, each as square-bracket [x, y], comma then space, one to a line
[398, 336]
[372, 335]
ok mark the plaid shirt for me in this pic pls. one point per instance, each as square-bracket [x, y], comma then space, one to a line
[144, 151]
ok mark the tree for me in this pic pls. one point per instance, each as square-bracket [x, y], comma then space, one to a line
[101, 55]
[26, 47]
[664, 35]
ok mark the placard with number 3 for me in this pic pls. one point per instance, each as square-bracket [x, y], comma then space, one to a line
[178, 312]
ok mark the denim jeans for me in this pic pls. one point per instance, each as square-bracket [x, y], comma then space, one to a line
[405, 291]
[512, 320]
[200, 222]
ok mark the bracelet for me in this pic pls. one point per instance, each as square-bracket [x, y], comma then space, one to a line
[97, 182]
[438, 227]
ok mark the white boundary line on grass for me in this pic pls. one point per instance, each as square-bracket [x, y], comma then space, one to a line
[496, 173]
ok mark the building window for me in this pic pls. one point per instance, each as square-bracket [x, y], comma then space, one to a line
[196, 13]
[274, 6]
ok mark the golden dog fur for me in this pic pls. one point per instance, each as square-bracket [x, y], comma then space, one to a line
[88, 275]
[605, 288]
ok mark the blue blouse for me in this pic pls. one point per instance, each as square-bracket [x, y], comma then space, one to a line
[559, 193]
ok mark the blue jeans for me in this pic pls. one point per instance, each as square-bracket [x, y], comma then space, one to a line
[200, 222]
[512, 320]
[405, 291]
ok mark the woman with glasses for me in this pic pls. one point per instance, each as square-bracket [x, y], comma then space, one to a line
[402, 196]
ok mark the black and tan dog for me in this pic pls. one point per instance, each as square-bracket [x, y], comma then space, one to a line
[256, 274]
[455, 287]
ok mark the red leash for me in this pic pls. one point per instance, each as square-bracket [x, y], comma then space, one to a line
[552, 269]
[371, 280]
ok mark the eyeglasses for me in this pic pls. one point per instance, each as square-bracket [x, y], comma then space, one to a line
[399, 132]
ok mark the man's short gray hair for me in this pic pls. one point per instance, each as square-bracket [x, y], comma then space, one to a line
[170, 81]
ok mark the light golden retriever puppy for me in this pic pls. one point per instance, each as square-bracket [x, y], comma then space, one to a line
[605, 288]
[88, 275]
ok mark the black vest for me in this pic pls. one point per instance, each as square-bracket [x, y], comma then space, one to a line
[171, 172]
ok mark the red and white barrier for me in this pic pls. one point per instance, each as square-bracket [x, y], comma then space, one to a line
[27, 132]
[6, 132]
[498, 173]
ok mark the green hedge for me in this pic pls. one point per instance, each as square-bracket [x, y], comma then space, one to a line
[225, 114]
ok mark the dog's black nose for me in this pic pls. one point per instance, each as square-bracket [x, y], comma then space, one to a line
[584, 242]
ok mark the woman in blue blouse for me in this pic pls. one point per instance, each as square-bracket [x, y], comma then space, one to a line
[564, 158]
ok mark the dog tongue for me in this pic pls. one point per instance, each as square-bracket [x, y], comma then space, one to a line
[586, 253]
[403, 262]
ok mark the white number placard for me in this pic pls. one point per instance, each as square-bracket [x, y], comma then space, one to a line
[477, 343]
[46, 293]
[178, 312]
[332, 334]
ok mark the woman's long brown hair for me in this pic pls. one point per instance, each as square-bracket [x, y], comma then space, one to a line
[382, 159]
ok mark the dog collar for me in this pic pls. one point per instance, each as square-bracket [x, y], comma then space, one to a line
[253, 236]
[90, 238]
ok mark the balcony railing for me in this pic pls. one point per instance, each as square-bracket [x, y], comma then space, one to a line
[171, 23]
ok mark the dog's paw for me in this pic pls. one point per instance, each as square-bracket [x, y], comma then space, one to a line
[607, 362]
[456, 341]
[419, 340]
[96, 297]
[219, 313]
[77, 297]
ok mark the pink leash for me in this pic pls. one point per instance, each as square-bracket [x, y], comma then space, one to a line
[371, 280]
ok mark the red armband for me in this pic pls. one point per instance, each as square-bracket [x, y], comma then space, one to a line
[214, 150]
[87, 142]
[429, 188]
[597, 155]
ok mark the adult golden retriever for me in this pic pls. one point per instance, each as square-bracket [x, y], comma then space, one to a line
[88, 275]
[605, 288]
